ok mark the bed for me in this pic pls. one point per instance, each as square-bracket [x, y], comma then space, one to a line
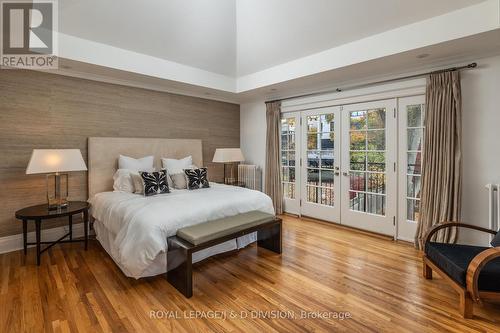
[133, 229]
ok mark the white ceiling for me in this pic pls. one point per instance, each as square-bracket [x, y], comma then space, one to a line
[271, 32]
[239, 37]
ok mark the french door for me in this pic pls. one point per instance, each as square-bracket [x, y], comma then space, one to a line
[341, 164]
[369, 177]
[320, 164]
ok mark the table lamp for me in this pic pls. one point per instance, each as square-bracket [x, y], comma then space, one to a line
[56, 163]
[228, 155]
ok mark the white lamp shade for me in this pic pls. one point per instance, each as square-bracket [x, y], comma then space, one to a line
[228, 155]
[55, 160]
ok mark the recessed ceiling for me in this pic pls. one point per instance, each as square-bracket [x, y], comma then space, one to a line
[239, 37]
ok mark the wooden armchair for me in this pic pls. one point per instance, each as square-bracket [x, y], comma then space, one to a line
[473, 271]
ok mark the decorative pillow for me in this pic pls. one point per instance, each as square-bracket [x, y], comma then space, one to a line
[138, 183]
[496, 240]
[136, 164]
[122, 181]
[196, 178]
[155, 182]
[179, 181]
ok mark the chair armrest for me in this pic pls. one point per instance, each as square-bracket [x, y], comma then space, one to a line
[474, 269]
[444, 225]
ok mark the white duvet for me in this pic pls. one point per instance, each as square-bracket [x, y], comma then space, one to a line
[142, 224]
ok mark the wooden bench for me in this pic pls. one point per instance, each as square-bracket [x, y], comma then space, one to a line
[201, 236]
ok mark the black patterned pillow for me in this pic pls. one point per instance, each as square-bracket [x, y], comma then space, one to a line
[155, 182]
[196, 178]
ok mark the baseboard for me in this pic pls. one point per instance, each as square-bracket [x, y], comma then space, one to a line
[15, 242]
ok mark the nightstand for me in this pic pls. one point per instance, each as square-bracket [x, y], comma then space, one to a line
[40, 213]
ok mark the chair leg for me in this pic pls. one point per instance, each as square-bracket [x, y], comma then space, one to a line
[466, 305]
[427, 271]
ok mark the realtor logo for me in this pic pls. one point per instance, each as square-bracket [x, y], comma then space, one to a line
[28, 34]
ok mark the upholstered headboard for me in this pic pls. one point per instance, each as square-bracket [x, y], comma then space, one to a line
[103, 156]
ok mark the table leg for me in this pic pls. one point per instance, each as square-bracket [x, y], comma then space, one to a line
[86, 227]
[70, 227]
[38, 240]
[25, 236]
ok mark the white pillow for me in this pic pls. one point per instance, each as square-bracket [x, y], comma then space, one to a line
[122, 181]
[136, 164]
[174, 166]
[138, 183]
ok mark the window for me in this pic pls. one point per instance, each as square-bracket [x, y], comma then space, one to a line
[288, 131]
[415, 135]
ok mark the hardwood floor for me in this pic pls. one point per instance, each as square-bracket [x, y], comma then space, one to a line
[323, 269]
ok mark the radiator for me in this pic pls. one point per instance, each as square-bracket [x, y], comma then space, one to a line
[251, 176]
[493, 206]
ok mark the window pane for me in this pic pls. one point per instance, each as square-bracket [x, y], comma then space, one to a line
[414, 115]
[413, 186]
[376, 161]
[291, 124]
[376, 183]
[376, 140]
[312, 124]
[327, 196]
[375, 204]
[289, 190]
[291, 142]
[313, 158]
[327, 141]
[357, 201]
[413, 210]
[327, 179]
[327, 122]
[358, 141]
[415, 139]
[284, 142]
[327, 160]
[358, 120]
[414, 163]
[376, 118]
[313, 194]
[312, 141]
[285, 174]
[284, 158]
[357, 181]
[291, 158]
[358, 161]
[312, 177]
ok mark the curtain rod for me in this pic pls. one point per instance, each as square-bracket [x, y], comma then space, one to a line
[451, 69]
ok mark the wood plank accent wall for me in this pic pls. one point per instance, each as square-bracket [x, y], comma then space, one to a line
[40, 110]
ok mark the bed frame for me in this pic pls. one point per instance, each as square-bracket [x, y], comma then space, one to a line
[103, 156]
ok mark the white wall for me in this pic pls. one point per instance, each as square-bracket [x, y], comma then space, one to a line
[253, 133]
[481, 140]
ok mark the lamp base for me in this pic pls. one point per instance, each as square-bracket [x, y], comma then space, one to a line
[57, 192]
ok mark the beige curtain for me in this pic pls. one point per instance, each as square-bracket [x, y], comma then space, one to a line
[273, 167]
[442, 157]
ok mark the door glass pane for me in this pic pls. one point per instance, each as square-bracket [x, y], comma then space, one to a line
[415, 134]
[358, 120]
[320, 159]
[376, 119]
[376, 161]
[415, 139]
[357, 181]
[367, 161]
[358, 140]
[414, 115]
[327, 178]
[288, 127]
[376, 140]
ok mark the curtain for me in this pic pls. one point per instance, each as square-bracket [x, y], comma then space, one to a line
[273, 186]
[442, 157]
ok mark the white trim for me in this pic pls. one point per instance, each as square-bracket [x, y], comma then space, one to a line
[374, 93]
[15, 242]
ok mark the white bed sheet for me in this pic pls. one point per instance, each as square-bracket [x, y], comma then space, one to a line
[133, 229]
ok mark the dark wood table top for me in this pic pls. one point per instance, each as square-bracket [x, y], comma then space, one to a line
[43, 212]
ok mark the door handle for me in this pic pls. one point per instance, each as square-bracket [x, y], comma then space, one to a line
[336, 173]
[346, 173]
